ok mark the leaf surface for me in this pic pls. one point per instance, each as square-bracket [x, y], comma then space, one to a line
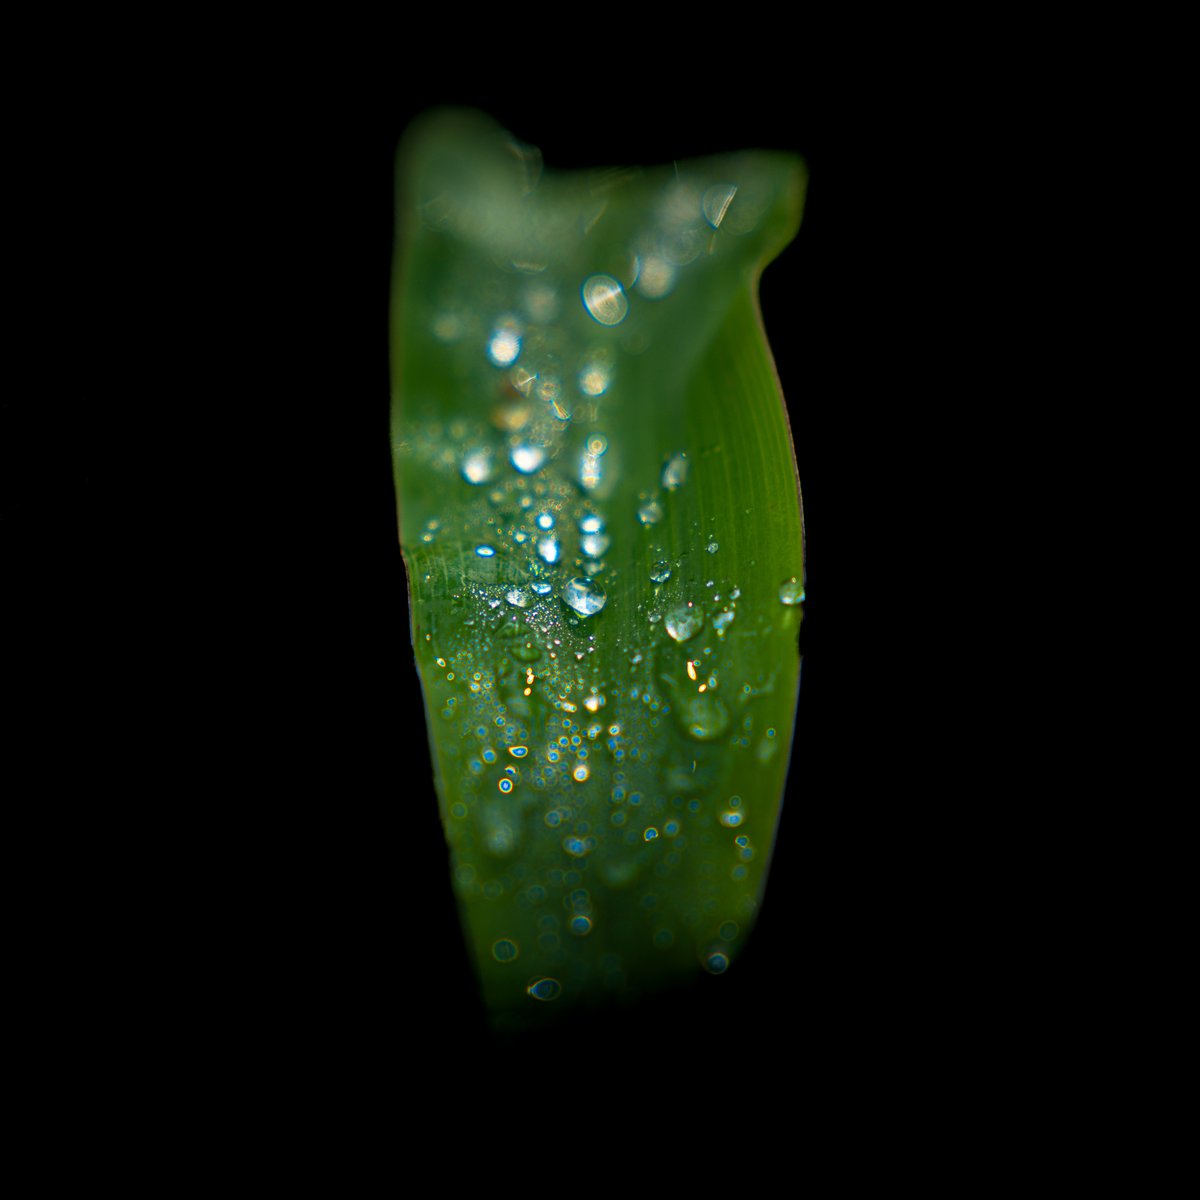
[601, 524]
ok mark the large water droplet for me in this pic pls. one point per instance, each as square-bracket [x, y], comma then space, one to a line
[549, 549]
[604, 298]
[675, 472]
[527, 457]
[791, 591]
[683, 622]
[585, 596]
[478, 465]
[661, 571]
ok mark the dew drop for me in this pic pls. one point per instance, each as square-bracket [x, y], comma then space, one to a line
[504, 346]
[581, 773]
[712, 547]
[542, 588]
[661, 571]
[657, 277]
[549, 549]
[650, 512]
[594, 544]
[700, 715]
[544, 989]
[592, 523]
[722, 621]
[517, 598]
[527, 457]
[505, 950]
[604, 298]
[518, 751]
[584, 595]
[716, 963]
[716, 202]
[650, 834]
[478, 465]
[791, 591]
[544, 520]
[580, 925]
[675, 472]
[485, 551]
[683, 621]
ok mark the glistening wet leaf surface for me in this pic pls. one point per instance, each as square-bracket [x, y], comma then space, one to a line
[598, 504]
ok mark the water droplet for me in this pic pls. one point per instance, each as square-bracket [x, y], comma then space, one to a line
[527, 457]
[722, 621]
[517, 598]
[675, 472]
[656, 278]
[580, 925]
[585, 596]
[594, 544]
[505, 950]
[731, 819]
[594, 379]
[604, 298]
[716, 963]
[650, 834]
[650, 512]
[700, 715]
[791, 591]
[544, 520]
[485, 551]
[544, 989]
[549, 549]
[542, 587]
[478, 465]
[581, 773]
[592, 523]
[712, 546]
[594, 703]
[505, 785]
[518, 751]
[683, 622]
[504, 346]
[716, 202]
[661, 571]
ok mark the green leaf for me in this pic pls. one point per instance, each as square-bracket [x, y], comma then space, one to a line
[600, 520]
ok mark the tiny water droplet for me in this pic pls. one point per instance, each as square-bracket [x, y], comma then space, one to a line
[716, 963]
[683, 622]
[542, 587]
[485, 551]
[527, 457]
[661, 571]
[517, 598]
[505, 950]
[712, 547]
[544, 520]
[592, 523]
[544, 989]
[585, 596]
[605, 300]
[478, 465]
[518, 751]
[791, 591]
[549, 549]
[650, 512]
[722, 621]
[504, 347]
[594, 544]
[675, 472]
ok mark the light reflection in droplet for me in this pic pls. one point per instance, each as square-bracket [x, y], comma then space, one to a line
[485, 551]
[716, 202]
[504, 346]
[650, 512]
[549, 549]
[527, 457]
[675, 471]
[478, 465]
[604, 298]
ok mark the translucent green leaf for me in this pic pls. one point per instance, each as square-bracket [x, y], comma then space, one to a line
[601, 524]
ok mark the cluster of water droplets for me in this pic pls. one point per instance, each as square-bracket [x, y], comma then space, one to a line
[554, 745]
